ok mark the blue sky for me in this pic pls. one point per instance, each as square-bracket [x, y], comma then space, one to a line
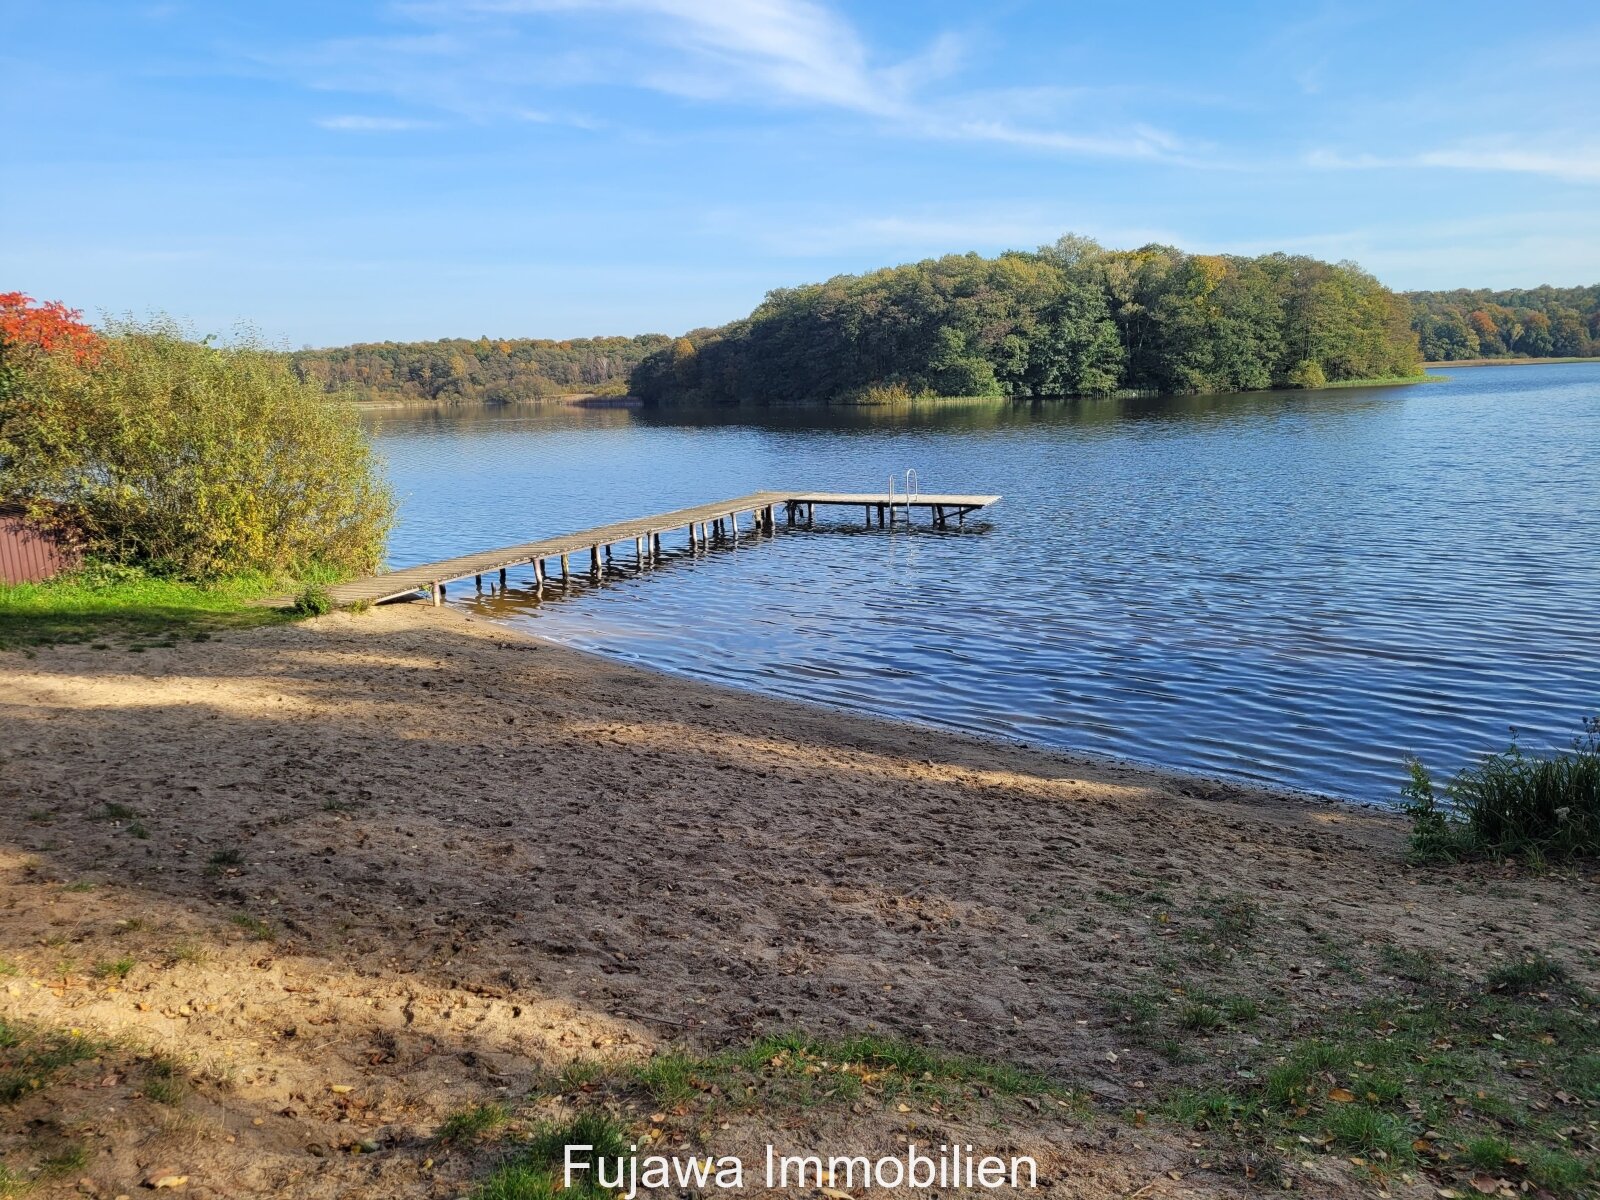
[330, 172]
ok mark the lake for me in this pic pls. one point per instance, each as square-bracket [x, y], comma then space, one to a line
[1295, 588]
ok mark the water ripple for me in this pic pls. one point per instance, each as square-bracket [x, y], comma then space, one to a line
[1298, 588]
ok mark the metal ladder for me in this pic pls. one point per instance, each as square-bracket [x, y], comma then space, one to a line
[911, 489]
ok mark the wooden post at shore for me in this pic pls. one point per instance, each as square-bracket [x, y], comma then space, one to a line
[436, 593]
[538, 576]
[502, 579]
[478, 582]
[595, 569]
[566, 574]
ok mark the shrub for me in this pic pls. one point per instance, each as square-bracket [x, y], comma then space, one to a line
[1307, 374]
[314, 601]
[192, 459]
[1512, 803]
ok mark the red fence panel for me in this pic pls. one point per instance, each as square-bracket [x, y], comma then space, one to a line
[29, 556]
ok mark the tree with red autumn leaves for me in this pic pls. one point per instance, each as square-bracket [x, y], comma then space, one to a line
[49, 327]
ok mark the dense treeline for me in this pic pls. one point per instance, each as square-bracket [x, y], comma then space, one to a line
[457, 369]
[1541, 322]
[1070, 319]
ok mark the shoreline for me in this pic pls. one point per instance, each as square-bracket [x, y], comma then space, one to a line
[1507, 362]
[1173, 775]
[360, 873]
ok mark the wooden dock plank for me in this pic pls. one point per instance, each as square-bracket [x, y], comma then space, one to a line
[644, 531]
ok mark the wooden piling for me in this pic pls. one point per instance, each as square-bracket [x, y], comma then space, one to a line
[566, 573]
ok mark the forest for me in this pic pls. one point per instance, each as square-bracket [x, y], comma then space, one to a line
[1072, 318]
[1541, 322]
[460, 369]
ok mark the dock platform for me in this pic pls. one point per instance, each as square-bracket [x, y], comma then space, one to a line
[703, 525]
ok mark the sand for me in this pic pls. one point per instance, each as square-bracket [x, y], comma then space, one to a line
[481, 856]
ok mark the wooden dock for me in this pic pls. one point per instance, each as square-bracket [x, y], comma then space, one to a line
[702, 526]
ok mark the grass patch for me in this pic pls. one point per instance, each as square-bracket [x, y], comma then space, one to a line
[255, 927]
[783, 1074]
[472, 1123]
[1510, 804]
[112, 811]
[220, 860]
[105, 603]
[188, 950]
[115, 968]
[1535, 973]
[1440, 1075]
[534, 1170]
[164, 1081]
[30, 1057]
[314, 601]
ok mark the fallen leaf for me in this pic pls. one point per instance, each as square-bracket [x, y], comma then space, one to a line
[1486, 1185]
[166, 1181]
[341, 1088]
[1341, 1095]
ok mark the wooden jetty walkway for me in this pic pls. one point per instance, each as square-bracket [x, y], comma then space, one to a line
[703, 524]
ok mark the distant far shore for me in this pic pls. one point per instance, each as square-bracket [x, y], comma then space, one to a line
[1504, 362]
[577, 399]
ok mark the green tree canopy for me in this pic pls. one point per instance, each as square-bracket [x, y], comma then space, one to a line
[193, 459]
[1072, 319]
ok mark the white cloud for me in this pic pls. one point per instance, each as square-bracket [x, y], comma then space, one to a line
[356, 123]
[1578, 164]
[484, 60]
[788, 48]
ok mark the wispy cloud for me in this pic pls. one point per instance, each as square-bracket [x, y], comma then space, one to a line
[1576, 164]
[494, 59]
[357, 123]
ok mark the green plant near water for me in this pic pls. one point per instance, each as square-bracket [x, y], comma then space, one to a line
[314, 601]
[1511, 803]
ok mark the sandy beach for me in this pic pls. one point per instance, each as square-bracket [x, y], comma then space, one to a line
[374, 867]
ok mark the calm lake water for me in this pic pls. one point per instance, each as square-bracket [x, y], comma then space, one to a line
[1294, 588]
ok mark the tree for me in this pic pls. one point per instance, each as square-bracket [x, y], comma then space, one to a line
[193, 459]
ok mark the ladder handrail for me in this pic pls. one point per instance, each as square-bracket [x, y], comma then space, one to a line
[909, 491]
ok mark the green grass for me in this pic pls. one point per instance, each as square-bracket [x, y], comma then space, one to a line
[1536, 806]
[228, 856]
[778, 1076]
[534, 1170]
[115, 968]
[164, 1081]
[131, 607]
[472, 1123]
[254, 926]
[1534, 973]
[31, 1057]
[1380, 381]
[1440, 1075]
